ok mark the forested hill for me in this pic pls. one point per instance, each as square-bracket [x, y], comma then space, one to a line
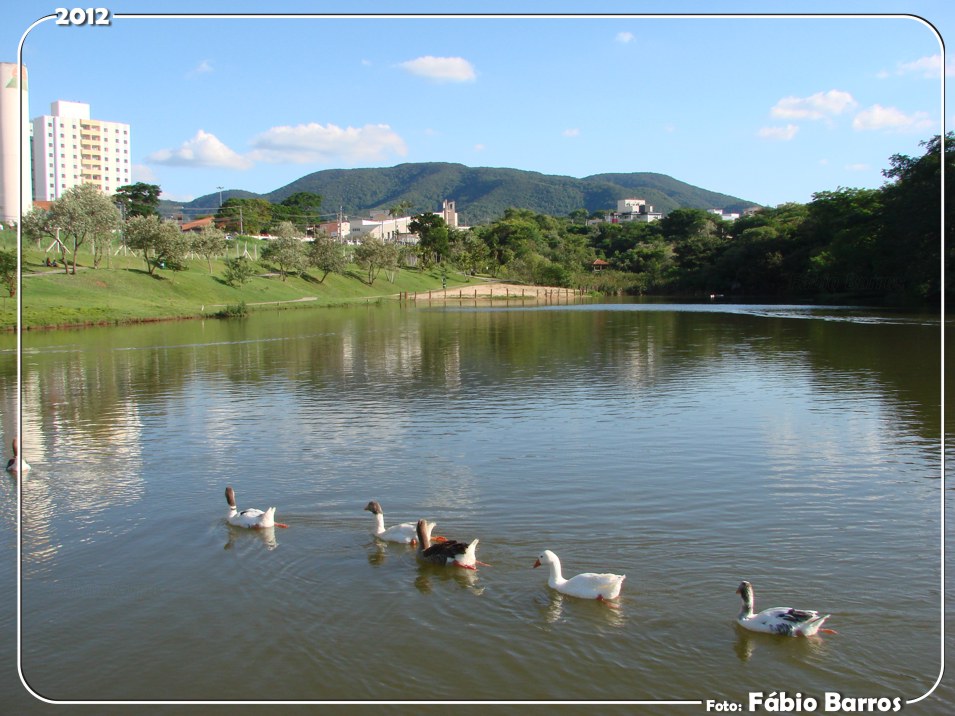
[483, 193]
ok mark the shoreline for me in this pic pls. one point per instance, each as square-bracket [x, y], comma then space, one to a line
[488, 291]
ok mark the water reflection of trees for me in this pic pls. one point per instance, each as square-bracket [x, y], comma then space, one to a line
[90, 391]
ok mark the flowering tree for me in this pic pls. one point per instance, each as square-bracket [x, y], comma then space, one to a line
[84, 213]
[209, 242]
[162, 242]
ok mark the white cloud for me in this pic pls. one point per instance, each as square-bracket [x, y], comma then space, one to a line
[624, 37]
[166, 196]
[571, 132]
[929, 67]
[479, 147]
[143, 173]
[782, 134]
[878, 117]
[203, 150]
[203, 68]
[817, 106]
[316, 144]
[441, 69]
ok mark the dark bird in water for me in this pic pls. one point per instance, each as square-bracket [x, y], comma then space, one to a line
[447, 552]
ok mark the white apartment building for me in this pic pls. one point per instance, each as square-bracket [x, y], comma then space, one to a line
[69, 149]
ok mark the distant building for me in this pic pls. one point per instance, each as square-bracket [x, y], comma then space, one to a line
[449, 214]
[15, 186]
[633, 210]
[338, 229]
[197, 224]
[385, 229]
[724, 215]
[69, 149]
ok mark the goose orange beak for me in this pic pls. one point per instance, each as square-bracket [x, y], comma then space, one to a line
[537, 563]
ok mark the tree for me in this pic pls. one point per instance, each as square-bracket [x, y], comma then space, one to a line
[303, 209]
[400, 209]
[578, 216]
[162, 242]
[285, 251]
[913, 203]
[8, 271]
[470, 253]
[247, 216]
[38, 223]
[432, 234]
[373, 255]
[209, 242]
[138, 199]
[327, 255]
[514, 236]
[84, 213]
[697, 239]
[238, 270]
[845, 226]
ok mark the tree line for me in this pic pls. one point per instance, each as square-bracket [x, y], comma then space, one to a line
[882, 244]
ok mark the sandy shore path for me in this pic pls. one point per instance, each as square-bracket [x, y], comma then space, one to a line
[495, 290]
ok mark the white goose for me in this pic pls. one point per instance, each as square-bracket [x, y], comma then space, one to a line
[588, 585]
[250, 518]
[405, 533]
[778, 620]
[13, 465]
[446, 551]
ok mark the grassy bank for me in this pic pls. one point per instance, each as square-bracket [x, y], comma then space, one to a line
[125, 292]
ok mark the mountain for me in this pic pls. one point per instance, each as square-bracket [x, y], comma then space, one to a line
[481, 194]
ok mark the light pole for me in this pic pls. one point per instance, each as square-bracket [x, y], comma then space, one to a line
[220, 195]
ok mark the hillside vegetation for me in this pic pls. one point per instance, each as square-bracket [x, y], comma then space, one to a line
[482, 194]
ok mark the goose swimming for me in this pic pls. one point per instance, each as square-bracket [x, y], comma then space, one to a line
[250, 518]
[404, 533]
[778, 620]
[588, 585]
[447, 552]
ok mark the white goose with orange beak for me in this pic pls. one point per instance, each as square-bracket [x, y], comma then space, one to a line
[589, 585]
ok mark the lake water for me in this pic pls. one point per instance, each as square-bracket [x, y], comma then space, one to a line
[687, 446]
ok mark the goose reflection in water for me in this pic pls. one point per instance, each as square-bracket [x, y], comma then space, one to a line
[747, 642]
[429, 575]
[265, 534]
[556, 607]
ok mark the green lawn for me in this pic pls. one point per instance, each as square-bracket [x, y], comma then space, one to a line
[125, 292]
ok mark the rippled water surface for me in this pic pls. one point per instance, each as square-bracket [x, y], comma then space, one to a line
[688, 447]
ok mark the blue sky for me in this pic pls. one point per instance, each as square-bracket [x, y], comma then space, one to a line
[770, 109]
